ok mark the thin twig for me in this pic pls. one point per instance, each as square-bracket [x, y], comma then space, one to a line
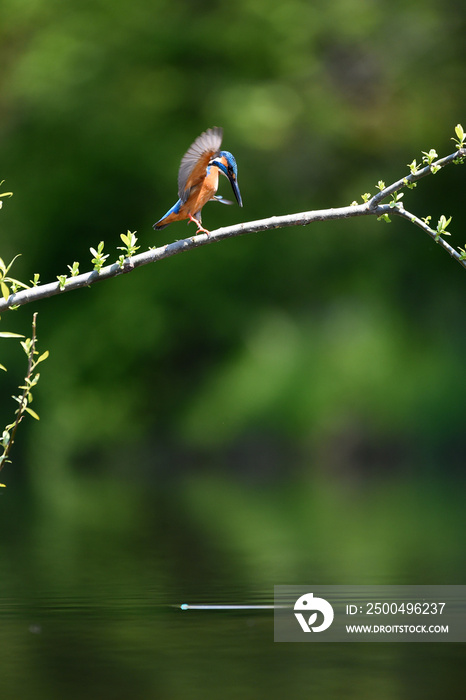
[401, 211]
[23, 399]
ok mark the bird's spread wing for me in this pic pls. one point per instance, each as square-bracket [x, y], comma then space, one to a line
[196, 159]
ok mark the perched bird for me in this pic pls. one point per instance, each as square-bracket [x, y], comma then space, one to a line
[198, 179]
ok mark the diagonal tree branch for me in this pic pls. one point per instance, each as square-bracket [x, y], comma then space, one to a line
[371, 207]
[418, 175]
[401, 211]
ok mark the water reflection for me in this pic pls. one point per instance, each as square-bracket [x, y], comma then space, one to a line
[90, 594]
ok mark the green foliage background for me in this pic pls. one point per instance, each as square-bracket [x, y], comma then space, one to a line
[331, 354]
[297, 335]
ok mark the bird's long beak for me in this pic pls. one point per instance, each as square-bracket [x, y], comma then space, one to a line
[235, 188]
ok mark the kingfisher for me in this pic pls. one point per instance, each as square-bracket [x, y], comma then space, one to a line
[198, 179]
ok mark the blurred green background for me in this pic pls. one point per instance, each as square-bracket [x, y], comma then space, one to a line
[277, 408]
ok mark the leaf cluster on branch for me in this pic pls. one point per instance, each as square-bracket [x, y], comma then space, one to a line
[24, 399]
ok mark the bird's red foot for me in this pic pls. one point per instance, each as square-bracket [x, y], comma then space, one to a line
[200, 228]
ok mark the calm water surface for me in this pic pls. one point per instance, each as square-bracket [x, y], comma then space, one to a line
[90, 602]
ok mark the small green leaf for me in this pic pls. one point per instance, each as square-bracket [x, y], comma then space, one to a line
[74, 269]
[43, 357]
[16, 284]
[32, 413]
[99, 258]
[430, 156]
[5, 290]
[34, 380]
[395, 201]
[463, 253]
[5, 194]
[130, 240]
[442, 225]
[6, 334]
[11, 263]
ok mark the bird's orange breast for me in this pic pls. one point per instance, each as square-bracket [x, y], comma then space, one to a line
[203, 192]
